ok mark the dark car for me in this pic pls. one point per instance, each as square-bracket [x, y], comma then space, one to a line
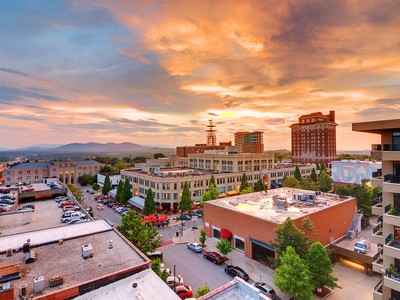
[7, 201]
[266, 289]
[194, 214]
[214, 257]
[236, 271]
[7, 197]
[184, 217]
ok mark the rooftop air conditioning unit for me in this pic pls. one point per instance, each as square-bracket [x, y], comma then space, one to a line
[87, 251]
[38, 284]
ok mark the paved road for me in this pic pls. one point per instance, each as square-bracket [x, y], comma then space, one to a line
[195, 270]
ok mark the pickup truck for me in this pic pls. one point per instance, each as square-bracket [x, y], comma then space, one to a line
[72, 216]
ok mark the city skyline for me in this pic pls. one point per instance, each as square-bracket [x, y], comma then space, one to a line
[153, 72]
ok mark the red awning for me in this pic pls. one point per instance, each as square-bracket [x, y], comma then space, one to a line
[225, 234]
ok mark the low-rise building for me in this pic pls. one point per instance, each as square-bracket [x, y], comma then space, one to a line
[250, 220]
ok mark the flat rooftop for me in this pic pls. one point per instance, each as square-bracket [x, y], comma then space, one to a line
[149, 287]
[277, 204]
[376, 126]
[174, 172]
[65, 260]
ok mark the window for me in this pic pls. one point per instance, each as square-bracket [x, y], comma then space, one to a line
[216, 232]
[239, 243]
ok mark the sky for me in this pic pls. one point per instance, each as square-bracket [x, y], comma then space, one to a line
[154, 72]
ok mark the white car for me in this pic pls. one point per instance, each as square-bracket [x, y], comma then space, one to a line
[61, 198]
[195, 247]
[72, 216]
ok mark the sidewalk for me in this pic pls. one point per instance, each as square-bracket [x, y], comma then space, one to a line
[353, 284]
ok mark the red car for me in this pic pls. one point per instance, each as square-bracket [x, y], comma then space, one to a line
[5, 190]
[184, 291]
[214, 257]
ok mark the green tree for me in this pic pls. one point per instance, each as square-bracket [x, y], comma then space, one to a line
[297, 173]
[202, 237]
[307, 225]
[206, 196]
[158, 155]
[292, 182]
[244, 184]
[186, 200]
[224, 246]
[85, 179]
[313, 175]
[287, 234]
[127, 191]
[320, 266]
[317, 166]
[119, 197]
[308, 184]
[142, 234]
[246, 191]
[293, 276]
[259, 186]
[107, 185]
[108, 169]
[325, 182]
[139, 159]
[95, 187]
[203, 290]
[149, 204]
[214, 193]
[212, 181]
[343, 190]
[120, 165]
[322, 167]
[156, 267]
[76, 191]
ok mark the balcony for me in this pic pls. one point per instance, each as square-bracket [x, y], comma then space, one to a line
[376, 179]
[377, 262]
[392, 278]
[391, 247]
[391, 216]
[385, 151]
[377, 234]
[391, 183]
[378, 291]
[377, 208]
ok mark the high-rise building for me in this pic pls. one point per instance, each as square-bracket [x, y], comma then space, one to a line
[314, 138]
[249, 142]
[387, 232]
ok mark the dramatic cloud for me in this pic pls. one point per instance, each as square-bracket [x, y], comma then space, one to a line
[154, 72]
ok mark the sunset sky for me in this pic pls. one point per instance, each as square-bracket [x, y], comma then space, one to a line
[153, 72]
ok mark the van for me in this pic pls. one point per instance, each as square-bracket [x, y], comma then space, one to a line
[363, 246]
[154, 255]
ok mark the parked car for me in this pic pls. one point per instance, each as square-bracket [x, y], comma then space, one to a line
[174, 281]
[123, 210]
[266, 289]
[214, 257]
[107, 202]
[9, 197]
[76, 221]
[200, 212]
[71, 207]
[27, 206]
[184, 291]
[5, 209]
[73, 216]
[27, 189]
[100, 206]
[65, 203]
[194, 214]
[92, 192]
[5, 190]
[7, 201]
[236, 271]
[5, 205]
[124, 213]
[195, 247]
[61, 198]
[184, 217]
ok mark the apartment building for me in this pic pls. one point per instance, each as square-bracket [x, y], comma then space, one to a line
[387, 232]
[249, 142]
[65, 171]
[314, 138]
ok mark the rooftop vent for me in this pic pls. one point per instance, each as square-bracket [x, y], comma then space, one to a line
[87, 251]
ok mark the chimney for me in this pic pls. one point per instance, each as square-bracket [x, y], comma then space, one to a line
[332, 115]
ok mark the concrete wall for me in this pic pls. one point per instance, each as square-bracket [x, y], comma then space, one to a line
[16, 219]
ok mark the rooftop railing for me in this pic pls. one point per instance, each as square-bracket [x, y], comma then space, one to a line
[391, 178]
[385, 147]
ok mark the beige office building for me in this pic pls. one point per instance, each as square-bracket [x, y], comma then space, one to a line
[386, 233]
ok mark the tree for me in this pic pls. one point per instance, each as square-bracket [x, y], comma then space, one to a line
[201, 291]
[293, 276]
[244, 184]
[297, 173]
[287, 234]
[259, 186]
[186, 200]
[206, 196]
[76, 191]
[156, 267]
[324, 182]
[224, 246]
[158, 155]
[307, 224]
[127, 191]
[149, 204]
[214, 193]
[119, 165]
[142, 234]
[85, 179]
[343, 190]
[139, 159]
[212, 181]
[307, 184]
[95, 187]
[320, 266]
[247, 191]
[119, 197]
[317, 166]
[107, 185]
[108, 169]
[313, 175]
[291, 182]
[322, 168]
[202, 237]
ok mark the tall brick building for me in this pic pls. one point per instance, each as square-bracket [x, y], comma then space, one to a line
[314, 138]
[249, 142]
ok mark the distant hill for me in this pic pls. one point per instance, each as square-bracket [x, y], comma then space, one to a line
[98, 147]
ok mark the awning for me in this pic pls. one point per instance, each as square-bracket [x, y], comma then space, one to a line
[262, 244]
[112, 193]
[137, 202]
[225, 234]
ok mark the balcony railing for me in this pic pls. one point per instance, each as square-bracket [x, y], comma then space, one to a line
[391, 178]
[377, 174]
[377, 200]
[392, 243]
[385, 147]
[378, 287]
[378, 256]
[377, 229]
